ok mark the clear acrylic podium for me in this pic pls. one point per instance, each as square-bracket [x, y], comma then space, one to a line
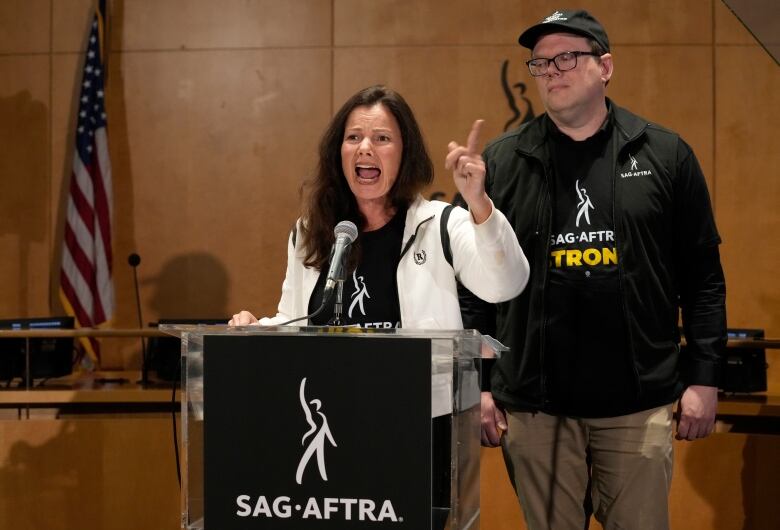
[312, 427]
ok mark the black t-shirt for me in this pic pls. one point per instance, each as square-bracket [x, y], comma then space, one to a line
[370, 295]
[587, 362]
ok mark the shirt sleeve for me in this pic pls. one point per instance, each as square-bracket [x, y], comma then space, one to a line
[702, 284]
[487, 257]
[287, 300]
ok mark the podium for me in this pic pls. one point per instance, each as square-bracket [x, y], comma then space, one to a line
[329, 428]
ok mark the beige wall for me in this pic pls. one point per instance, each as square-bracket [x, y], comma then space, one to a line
[215, 110]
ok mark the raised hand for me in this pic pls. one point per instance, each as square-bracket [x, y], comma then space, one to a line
[468, 172]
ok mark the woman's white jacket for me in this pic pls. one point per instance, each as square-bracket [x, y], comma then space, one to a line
[486, 258]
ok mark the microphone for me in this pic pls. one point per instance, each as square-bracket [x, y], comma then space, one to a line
[134, 260]
[346, 232]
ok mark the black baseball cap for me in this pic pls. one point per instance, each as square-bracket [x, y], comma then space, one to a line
[578, 22]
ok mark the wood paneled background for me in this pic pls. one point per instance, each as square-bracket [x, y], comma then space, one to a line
[215, 110]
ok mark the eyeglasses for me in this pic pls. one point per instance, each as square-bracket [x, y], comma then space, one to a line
[563, 62]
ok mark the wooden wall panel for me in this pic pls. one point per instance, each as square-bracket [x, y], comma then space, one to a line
[464, 22]
[426, 23]
[658, 23]
[205, 24]
[499, 507]
[88, 473]
[728, 28]
[217, 146]
[70, 26]
[24, 26]
[747, 157]
[710, 491]
[25, 237]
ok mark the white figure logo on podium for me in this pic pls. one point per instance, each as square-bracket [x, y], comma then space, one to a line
[317, 443]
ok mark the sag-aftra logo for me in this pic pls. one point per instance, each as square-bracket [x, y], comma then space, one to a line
[315, 441]
[326, 508]
[635, 170]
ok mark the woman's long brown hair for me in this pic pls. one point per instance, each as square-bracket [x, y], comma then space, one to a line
[327, 198]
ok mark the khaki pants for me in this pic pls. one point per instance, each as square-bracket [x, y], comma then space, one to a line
[628, 460]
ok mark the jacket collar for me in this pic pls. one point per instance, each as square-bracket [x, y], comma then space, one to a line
[418, 210]
[629, 127]
[419, 213]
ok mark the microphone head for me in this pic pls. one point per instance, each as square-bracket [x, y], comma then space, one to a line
[134, 259]
[346, 229]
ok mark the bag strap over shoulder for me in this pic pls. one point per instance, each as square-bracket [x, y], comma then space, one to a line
[475, 312]
[445, 235]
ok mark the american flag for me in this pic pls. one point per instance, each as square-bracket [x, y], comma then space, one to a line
[86, 287]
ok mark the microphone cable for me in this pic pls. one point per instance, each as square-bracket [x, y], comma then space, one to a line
[316, 313]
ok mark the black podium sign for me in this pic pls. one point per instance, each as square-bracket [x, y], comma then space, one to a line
[321, 432]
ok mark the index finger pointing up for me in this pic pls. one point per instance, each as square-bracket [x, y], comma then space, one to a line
[472, 143]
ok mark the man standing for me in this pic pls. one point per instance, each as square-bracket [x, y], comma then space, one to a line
[614, 215]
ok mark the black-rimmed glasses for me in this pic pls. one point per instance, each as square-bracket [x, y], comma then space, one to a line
[563, 61]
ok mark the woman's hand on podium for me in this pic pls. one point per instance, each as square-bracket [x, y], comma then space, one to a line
[244, 318]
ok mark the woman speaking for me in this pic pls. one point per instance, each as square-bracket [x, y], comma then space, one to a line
[372, 167]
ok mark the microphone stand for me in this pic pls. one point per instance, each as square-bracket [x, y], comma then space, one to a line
[134, 260]
[336, 319]
[144, 355]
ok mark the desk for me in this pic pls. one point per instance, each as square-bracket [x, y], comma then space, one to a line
[94, 392]
[761, 404]
[40, 333]
[84, 452]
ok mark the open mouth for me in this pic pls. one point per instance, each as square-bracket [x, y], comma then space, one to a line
[367, 174]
